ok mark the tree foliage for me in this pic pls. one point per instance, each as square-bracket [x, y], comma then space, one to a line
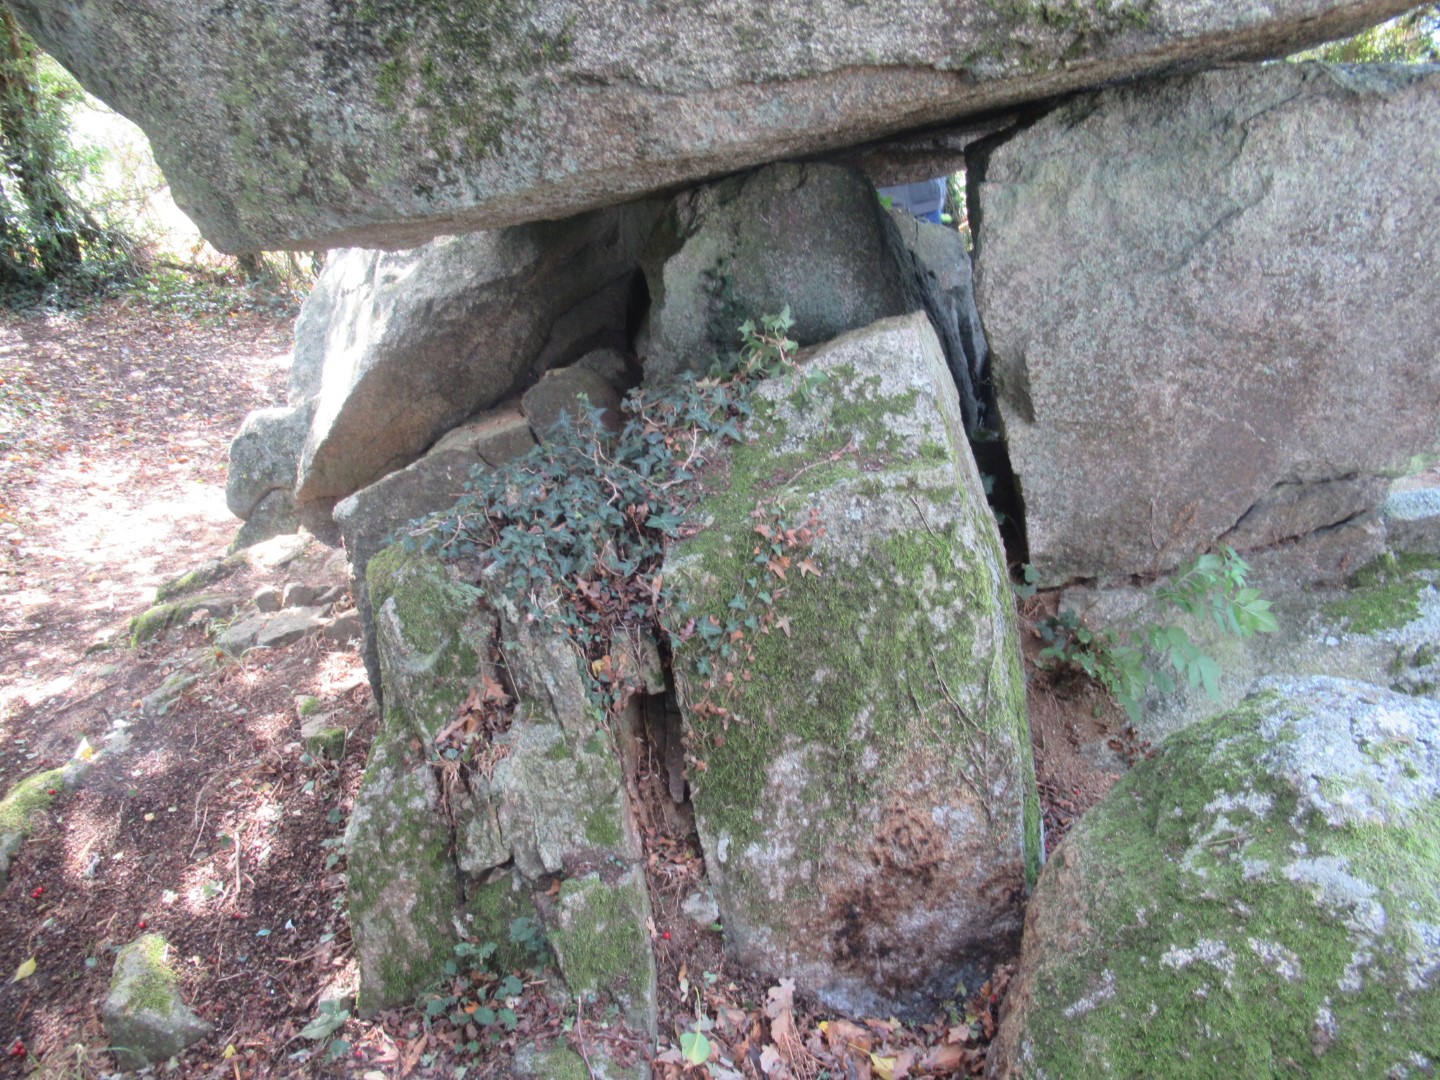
[1411, 38]
[47, 232]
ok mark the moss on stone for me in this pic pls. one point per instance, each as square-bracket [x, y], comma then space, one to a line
[849, 653]
[433, 615]
[1198, 956]
[154, 621]
[602, 827]
[28, 798]
[558, 1064]
[1384, 595]
[402, 886]
[601, 942]
[328, 743]
[491, 908]
[460, 64]
[199, 578]
[154, 987]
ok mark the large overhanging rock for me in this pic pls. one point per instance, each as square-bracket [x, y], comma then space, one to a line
[863, 782]
[384, 123]
[1262, 898]
[1205, 296]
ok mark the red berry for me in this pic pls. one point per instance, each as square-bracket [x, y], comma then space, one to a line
[236, 915]
[666, 935]
[141, 924]
[37, 892]
[51, 791]
[17, 1049]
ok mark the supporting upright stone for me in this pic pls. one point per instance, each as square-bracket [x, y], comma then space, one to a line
[862, 780]
[1212, 305]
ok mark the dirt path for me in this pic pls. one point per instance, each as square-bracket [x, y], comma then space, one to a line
[208, 822]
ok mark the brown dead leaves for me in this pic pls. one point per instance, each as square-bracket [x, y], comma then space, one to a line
[783, 1040]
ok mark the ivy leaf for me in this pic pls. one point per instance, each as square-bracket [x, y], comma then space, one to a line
[695, 1047]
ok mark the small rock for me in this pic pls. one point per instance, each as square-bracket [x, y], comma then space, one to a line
[158, 702]
[330, 595]
[240, 636]
[155, 621]
[323, 737]
[344, 627]
[267, 598]
[297, 595]
[277, 552]
[288, 626]
[144, 1015]
[560, 391]
[700, 908]
[207, 573]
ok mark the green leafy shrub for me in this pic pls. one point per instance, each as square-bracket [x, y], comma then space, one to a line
[1212, 585]
[576, 529]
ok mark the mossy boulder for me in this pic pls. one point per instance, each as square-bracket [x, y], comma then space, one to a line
[18, 810]
[1260, 899]
[862, 783]
[145, 1017]
[448, 835]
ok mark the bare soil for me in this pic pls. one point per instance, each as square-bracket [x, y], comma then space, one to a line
[213, 825]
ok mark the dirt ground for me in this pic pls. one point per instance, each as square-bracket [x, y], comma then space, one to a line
[211, 823]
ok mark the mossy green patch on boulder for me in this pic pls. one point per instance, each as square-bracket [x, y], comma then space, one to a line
[18, 810]
[600, 938]
[154, 621]
[1385, 595]
[490, 911]
[560, 1063]
[28, 798]
[1261, 899]
[869, 784]
[145, 1017]
[433, 639]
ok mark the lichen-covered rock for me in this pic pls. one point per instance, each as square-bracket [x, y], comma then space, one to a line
[402, 884]
[416, 341]
[543, 794]
[866, 799]
[751, 245]
[389, 122]
[602, 942]
[144, 1015]
[370, 518]
[1204, 296]
[1262, 898]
